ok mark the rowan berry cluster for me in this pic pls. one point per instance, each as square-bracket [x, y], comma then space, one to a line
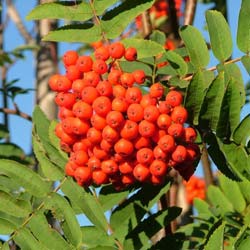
[111, 130]
[195, 188]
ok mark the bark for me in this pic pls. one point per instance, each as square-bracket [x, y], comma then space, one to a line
[46, 65]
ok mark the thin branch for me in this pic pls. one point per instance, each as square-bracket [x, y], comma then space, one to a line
[146, 24]
[189, 13]
[15, 17]
[17, 112]
[238, 59]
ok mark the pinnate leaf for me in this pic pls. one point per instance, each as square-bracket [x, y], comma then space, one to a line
[243, 34]
[25, 177]
[215, 241]
[196, 46]
[196, 93]
[81, 33]
[115, 21]
[220, 35]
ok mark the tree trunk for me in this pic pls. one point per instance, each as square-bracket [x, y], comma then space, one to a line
[46, 65]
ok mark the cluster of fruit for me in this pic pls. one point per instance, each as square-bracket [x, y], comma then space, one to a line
[195, 188]
[111, 130]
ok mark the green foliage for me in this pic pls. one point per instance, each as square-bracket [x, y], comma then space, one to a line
[223, 223]
[221, 42]
[197, 48]
[243, 36]
[39, 208]
[106, 14]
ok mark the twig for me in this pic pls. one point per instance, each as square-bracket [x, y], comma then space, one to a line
[188, 78]
[146, 24]
[16, 112]
[189, 13]
[15, 17]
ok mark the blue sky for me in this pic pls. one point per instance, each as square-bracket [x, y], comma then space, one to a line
[23, 70]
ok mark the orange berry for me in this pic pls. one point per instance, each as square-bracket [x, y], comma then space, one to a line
[156, 90]
[135, 112]
[102, 105]
[124, 147]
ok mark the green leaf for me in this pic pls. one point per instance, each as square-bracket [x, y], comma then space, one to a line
[246, 63]
[177, 62]
[9, 184]
[4, 133]
[14, 207]
[74, 11]
[245, 244]
[77, 33]
[237, 158]
[42, 129]
[230, 110]
[126, 217]
[48, 236]
[103, 248]
[119, 17]
[211, 107]
[233, 193]
[89, 241]
[158, 36]
[132, 66]
[50, 170]
[197, 48]
[145, 48]
[232, 71]
[242, 132]
[220, 35]
[6, 227]
[218, 157]
[245, 187]
[148, 196]
[243, 32]
[109, 197]
[155, 222]
[86, 202]
[215, 241]
[63, 211]
[26, 240]
[55, 141]
[177, 82]
[11, 151]
[25, 177]
[196, 94]
[203, 209]
[219, 201]
[5, 246]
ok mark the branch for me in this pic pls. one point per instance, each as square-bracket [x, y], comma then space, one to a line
[146, 24]
[188, 78]
[15, 17]
[189, 13]
[16, 112]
